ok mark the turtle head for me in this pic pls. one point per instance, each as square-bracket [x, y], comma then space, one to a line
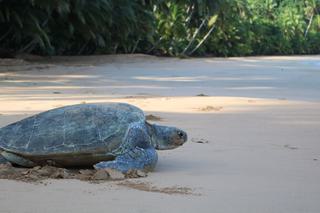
[165, 137]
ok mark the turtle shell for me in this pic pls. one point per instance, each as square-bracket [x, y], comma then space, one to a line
[70, 130]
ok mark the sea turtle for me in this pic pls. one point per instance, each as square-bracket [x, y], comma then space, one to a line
[112, 135]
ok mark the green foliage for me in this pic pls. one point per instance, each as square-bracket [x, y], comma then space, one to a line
[267, 27]
[166, 27]
[74, 26]
[232, 36]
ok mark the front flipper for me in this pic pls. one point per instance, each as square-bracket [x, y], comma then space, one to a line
[137, 158]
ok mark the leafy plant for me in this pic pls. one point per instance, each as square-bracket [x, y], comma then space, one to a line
[165, 27]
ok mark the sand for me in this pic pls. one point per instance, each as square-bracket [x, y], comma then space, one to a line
[253, 125]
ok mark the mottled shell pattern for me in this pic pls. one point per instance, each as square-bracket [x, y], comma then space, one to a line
[83, 128]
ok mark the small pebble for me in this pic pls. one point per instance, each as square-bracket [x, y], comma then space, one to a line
[101, 174]
[115, 174]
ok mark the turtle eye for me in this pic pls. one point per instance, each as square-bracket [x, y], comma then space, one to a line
[180, 134]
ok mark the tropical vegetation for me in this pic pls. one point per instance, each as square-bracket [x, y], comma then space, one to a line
[162, 27]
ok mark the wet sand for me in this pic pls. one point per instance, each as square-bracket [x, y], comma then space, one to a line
[253, 125]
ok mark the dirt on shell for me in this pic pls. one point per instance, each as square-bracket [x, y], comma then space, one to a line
[152, 117]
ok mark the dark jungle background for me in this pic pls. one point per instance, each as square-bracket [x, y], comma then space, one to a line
[161, 27]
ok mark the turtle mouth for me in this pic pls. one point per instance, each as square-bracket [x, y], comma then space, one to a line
[179, 142]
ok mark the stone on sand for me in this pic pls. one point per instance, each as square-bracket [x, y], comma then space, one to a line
[135, 173]
[115, 174]
[101, 174]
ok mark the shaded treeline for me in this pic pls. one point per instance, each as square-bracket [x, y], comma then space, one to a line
[175, 27]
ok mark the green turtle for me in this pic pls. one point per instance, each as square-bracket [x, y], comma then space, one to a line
[112, 135]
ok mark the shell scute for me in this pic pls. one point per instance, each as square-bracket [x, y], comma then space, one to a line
[71, 129]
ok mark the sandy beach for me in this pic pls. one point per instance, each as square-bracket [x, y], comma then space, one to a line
[253, 125]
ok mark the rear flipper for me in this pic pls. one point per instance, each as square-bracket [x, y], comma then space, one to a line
[138, 158]
[16, 159]
[3, 160]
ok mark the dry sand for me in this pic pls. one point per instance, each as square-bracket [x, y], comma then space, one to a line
[253, 125]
